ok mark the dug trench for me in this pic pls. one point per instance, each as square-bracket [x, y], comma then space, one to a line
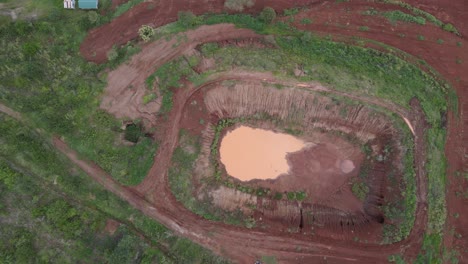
[329, 207]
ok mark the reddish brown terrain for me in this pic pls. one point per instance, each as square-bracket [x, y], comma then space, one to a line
[341, 21]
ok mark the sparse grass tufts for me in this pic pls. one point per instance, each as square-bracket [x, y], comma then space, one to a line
[363, 28]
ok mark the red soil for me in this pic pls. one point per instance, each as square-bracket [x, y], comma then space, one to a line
[158, 13]
[316, 171]
[111, 226]
[243, 245]
[126, 86]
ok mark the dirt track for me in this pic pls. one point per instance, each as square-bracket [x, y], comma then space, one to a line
[243, 245]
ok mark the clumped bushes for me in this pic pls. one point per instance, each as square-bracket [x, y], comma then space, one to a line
[238, 5]
[146, 32]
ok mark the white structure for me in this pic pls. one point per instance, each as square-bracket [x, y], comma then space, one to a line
[69, 4]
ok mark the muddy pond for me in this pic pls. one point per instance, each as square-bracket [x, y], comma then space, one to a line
[249, 153]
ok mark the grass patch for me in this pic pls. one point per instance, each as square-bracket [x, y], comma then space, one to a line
[306, 21]
[363, 28]
[360, 190]
[418, 12]
[394, 16]
[43, 179]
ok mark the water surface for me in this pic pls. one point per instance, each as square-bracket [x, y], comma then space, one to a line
[249, 153]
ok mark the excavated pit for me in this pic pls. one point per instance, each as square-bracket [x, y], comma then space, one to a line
[324, 169]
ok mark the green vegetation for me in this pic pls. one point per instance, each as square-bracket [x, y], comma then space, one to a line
[267, 15]
[397, 15]
[180, 180]
[398, 259]
[149, 98]
[44, 78]
[55, 213]
[187, 19]
[146, 33]
[296, 196]
[123, 7]
[429, 17]
[269, 260]
[370, 12]
[440, 41]
[363, 28]
[306, 21]
[291, 12]
[360, 189]
[421, 37]
[450, 28]
[169, 76]
[402, 211]
[133, 132]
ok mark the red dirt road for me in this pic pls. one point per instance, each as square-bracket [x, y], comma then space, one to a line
[157, 13]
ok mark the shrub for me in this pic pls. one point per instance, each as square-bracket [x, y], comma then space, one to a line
[450, 28]
[238, 5]
[187, 19]
[363, 28]
[291, 12]
[400, 16]
[112, 54]
[133, 133]
[93, 17]
[146, 32]
[306, 21]
[267, 15]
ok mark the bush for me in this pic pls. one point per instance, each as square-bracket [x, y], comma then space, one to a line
[146, 32]
[238, 5]
[450, 28]
[267, 15]
[133, 133]
[187, 19]
[306, 21]
[93, 17]
[112, 54]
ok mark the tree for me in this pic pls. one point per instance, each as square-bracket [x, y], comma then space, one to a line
[238, 5]
[267, 15]
[146, 32]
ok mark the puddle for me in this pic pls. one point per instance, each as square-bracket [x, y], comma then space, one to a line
[249, 153]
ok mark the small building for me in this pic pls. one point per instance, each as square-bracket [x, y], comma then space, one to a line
[69, 4]
[88, 4]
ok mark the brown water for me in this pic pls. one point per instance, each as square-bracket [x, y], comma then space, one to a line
[249, 153]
